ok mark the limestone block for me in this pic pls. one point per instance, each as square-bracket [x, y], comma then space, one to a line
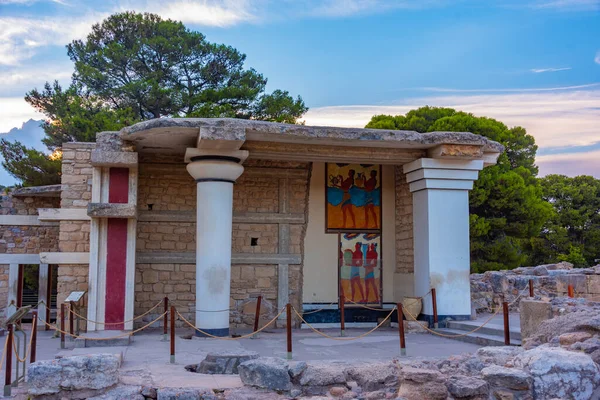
[510, 378]
[593, 284]
[114, 159]
[373, 376]
[567, 339]
[533, 313]
[98, 371]
[420, 384]
[579, 283]
[461, 386]
[265, 372]
[222, 362]
[111, 210]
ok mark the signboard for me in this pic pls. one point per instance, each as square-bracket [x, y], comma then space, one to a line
[74, 297]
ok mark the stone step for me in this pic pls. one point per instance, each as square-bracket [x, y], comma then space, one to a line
[488, 329]
[481, 339]
[102, 339]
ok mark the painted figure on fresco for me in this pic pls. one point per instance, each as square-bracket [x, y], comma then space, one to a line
[353, 197]
[360, 267]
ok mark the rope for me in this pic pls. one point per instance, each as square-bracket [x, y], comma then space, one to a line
[27, 351]
[184, 306]
[108, 338]
[415, 300]
[344, 338]
[230, 338]
[3, 353]
[116, 323]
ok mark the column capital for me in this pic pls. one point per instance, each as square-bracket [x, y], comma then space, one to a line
[429, 173]
[223, 167]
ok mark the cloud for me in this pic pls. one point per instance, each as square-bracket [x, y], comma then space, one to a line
[541, 70]
[570, 164]
[13, 111]
[21, 79]
[345, 8]
[567, 5]
[597, 58]
[555, 119]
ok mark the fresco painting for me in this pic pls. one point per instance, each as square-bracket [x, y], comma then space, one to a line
[360, 267]
[353, 197]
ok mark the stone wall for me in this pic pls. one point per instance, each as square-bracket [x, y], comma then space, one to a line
[404, 224]
[490, 289]
[264, 196]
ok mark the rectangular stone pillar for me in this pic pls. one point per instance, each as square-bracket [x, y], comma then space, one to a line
[43, 294]
[441, 233]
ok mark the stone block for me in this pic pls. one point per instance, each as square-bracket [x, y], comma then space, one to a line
[420, 384]
[111, 210]
[265, 372]
[114, 159]
[579, 283]
[533, 313]
[593, 284]
[224, 362]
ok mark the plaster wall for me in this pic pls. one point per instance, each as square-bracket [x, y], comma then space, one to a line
[321, 249]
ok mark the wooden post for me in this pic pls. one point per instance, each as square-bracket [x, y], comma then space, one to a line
[434, 303]
[166, 318]
[62, 325]
[33, 338]
[172, 334]
[506, 324]
[257, 313]
[48, 299]
[71, 330]
[9, 352]
[571, 292]
[288, 310]
[531, 288]
[401, 330]
[342, 317]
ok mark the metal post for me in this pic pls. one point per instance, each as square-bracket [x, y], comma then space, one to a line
[434, 303]
[506, 324]
[288, 310]
[9, 351]
[172, 334]
[342, 317]
[71, 330]
[62, 325]
[166, 319]
[401, 330]
[531, 288]
[257, 313]
[33, 338]
[571, 291]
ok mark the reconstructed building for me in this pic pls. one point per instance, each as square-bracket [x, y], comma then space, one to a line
[213, 213]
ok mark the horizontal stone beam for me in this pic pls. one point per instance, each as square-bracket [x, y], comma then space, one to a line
[20, 259]
[239, 258]
[63, 214]
[190, 216]
[23, 220]
[117, 159]
[112, 210]
[64, 258]
[456, 151]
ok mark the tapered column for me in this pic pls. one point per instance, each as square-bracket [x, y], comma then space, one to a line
[440, 190]
[214, 177]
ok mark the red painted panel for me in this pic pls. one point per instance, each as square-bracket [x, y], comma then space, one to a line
[116, 255]
[118, 188]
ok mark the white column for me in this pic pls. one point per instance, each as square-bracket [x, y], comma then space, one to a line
[440, 191]
[214, 212]
[13, 288]
[43, 295]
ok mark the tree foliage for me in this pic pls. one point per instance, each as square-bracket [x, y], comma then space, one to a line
[506, 205]
[133, 67]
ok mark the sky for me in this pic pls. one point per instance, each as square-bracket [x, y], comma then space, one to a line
[532, 63]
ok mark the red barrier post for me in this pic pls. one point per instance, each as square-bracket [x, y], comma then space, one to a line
[71, 331]
[172, 334]
[434, 304]
[288, 310]
[506, 324]
[342, 316]
[9, 352]
[401, 330]
[531, 288]
[32, 353]
[62, 325]
[571, 291]
[166, 318]
[257, 313]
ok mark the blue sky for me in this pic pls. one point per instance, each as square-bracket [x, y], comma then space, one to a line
[534, 63]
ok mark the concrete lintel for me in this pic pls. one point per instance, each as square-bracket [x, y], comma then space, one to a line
[456, 151]
[112, 210]
[447, 184]
[240, 258]
[125, 159]
[64, 258]
[20, 259]
[421, 163]
[23, 220]
[490, 159]
[63, 214]
[38, 191]
[221, 138]
[434, 173]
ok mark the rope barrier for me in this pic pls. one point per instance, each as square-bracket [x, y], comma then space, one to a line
[117, 323]
[229, 338]
[27, 351]
[415, 300]
[344, 338]
[208, 311]
[108, 338]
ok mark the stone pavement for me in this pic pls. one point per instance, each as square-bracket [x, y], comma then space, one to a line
[146, 360]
